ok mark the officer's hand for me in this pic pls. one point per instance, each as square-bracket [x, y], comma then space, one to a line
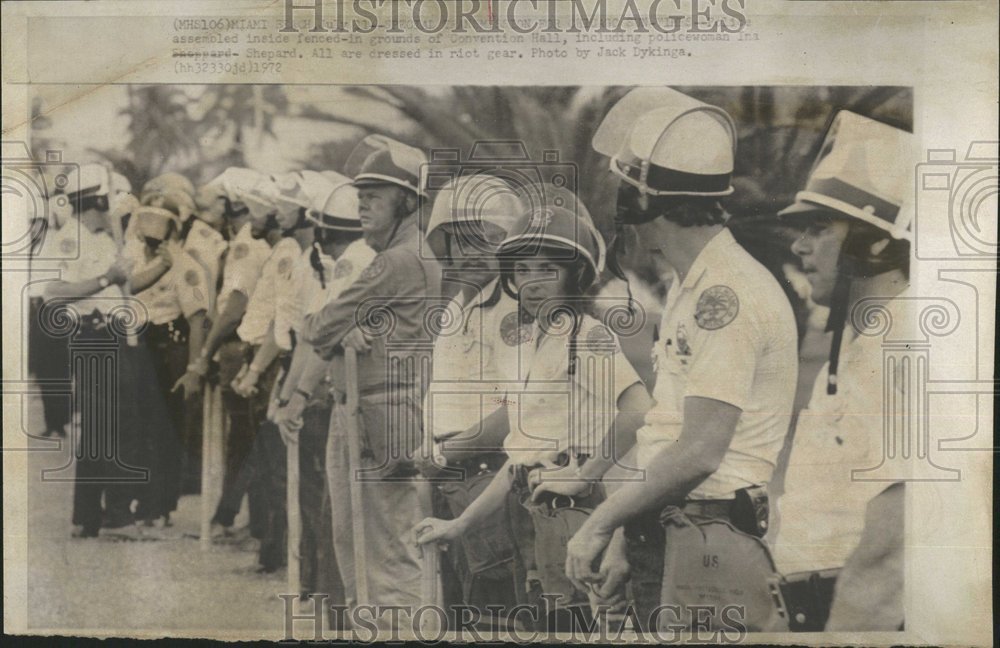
[292, 411]
[436, 530]
[583, 549]
[190, 382]
[235, 382]
[560, 481]
[118, 272]
[356, 340]
[289, 431]
[614, 573]
[247, 386]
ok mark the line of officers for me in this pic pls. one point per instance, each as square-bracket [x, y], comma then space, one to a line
[562, 484]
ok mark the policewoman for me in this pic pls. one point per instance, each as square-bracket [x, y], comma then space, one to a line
[726, 364]
[109, 463]
[176, 292]
[475, 361]
[578, 390]
[337, 256]
[841, 556]
[395, 288]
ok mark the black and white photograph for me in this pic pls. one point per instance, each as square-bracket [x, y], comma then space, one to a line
[494, 361]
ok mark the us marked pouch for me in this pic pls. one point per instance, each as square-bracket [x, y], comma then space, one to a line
[717, 575]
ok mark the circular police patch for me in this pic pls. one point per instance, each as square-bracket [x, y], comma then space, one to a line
[342, 269]
[513, 331]
[284, 265]
[68, 246]
[601, 340]
[717, 307]
[205, 233]
[191, 278]
[240, 251]
[374, 269]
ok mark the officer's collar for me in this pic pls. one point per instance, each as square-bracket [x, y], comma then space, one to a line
[714, 254]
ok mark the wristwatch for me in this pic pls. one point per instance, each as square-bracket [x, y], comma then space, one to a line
[103, 282]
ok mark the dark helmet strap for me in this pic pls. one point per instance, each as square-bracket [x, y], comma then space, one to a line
[316, 261]
[838, 313]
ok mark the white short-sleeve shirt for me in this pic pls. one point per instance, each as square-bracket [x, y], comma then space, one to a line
[183, 290]
[94, 253]
[821, 515]
[261, 309]
[727, 334]
[476, 360]
[244, 262]
[569, 399]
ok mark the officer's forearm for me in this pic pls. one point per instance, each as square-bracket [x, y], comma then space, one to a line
[312, 370]
[225, 323]
[266, 353]
[145, 278]
[675, 470]
[489, 501]
[73, 290]
[196, 335]
[632, 407]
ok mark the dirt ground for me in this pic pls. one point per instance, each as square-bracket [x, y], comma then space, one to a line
[96, 586]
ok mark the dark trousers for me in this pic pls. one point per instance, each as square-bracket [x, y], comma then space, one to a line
[316, 545]
[271, 458]
[243, 416]
[48, 360]
[168, 354]
[110, 458]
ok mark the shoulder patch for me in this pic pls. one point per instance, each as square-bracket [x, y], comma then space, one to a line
[67, 246]
[240, 251]
[284, 266]
[204, 232]
[717, 307]
[374, 269]
[513, 331]
[601, 340]
[191, 278]
[342, 268]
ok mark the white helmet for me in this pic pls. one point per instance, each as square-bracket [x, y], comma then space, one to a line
[472, 201]
[864, 171]
[337, 208]
[666, 143]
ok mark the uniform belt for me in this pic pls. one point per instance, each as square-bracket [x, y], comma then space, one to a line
[340, 398]
[720, 508]
[489, 462]
[813, 576]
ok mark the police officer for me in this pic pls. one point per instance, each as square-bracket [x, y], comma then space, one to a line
[278, 200]
[89, 287]
[726, 366]
[338, 255]
[578, 388]
[175, 290]
[470, 216]
[387, 176]
[247, 252]
[839, 541]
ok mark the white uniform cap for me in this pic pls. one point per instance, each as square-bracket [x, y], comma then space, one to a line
[864, 170]
[233, 183]
[338, 207]
[89, 180]
[669, 144]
